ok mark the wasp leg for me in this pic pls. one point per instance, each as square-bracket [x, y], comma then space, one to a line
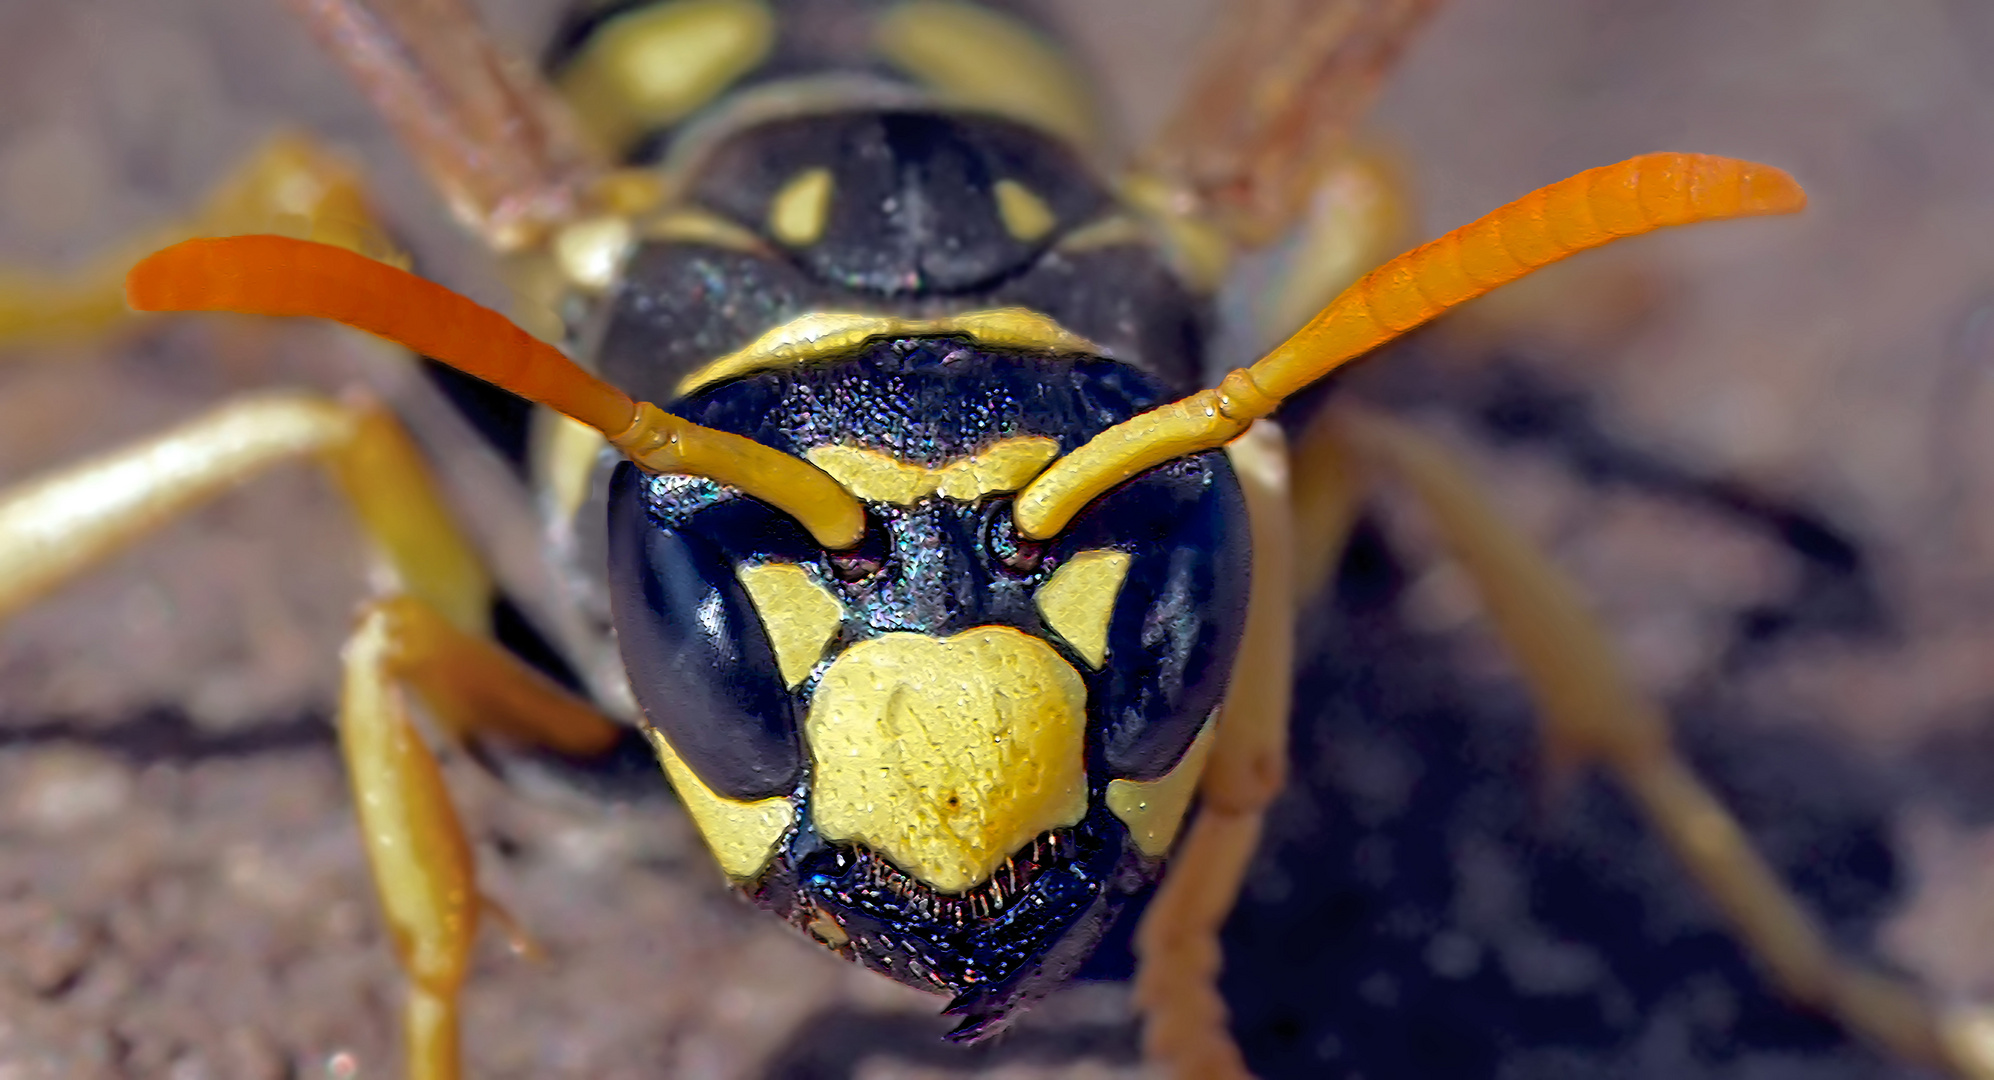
[422, 864]
[428, 635]
[1281, 89]
[290, 185]
[1591, 715]
[1177, 945]
[1359, 215]
[54, 528]
[495, 139]
[1328, 494]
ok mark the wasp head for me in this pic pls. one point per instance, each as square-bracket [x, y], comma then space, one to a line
[951, 753]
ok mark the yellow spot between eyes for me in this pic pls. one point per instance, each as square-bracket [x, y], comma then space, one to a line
[1026, 216]
[1078, 601]
[800, 615]
[802, 208]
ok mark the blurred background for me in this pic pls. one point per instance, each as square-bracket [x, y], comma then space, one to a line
[1764, 449]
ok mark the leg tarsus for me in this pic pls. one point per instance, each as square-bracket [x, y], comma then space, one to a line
[1176, 984]
[421, 861]
[422, 864]
[430, 1025]
[429, 640]
[1177, 945]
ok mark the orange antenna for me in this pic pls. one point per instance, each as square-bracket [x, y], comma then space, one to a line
[275, 275]
[1593, 208]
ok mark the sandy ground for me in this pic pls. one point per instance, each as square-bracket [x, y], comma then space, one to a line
[1763, 449]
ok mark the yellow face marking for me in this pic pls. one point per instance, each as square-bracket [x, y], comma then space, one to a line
[826, 336]
[800, 615]
[986, 60]
[653, 67]
[799, 212]
[1154, 809]
[1026, 216]
[876, 477]
[742, 835]
[946, 756]
[1079, 600]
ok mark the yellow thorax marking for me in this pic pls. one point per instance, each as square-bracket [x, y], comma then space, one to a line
[1079, 600]
[800, 615]
[802, 208]
[653, 67]
[878, 477]
[825, 335]
[691, 225]
[947, 756]
[1153, 810]
[741, 834]
[1112, 230]
[1026, 216]
[983, 59]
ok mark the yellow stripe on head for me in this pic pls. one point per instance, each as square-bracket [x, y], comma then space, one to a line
[1002, 467]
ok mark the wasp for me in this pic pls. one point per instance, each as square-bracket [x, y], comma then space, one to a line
[896, 509]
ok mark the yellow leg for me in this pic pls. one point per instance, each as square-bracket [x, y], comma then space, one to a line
[54, 528]
[1177, 945]
[1279, 88]
[427, 637]
[421, 862]
[1328, 493]
[1591, 715]
[1359, 215]
[289, 186]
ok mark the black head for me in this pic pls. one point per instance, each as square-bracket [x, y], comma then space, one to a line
[925, 734]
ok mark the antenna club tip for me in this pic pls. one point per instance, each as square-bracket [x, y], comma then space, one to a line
[1767, 190]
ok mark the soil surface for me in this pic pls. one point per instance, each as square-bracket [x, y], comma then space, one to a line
[1762, 449]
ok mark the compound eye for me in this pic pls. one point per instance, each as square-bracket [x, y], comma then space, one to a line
[1010, 548]
[700, 659]
[1179, 607]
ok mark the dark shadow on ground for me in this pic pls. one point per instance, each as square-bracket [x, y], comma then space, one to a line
[169, 737]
